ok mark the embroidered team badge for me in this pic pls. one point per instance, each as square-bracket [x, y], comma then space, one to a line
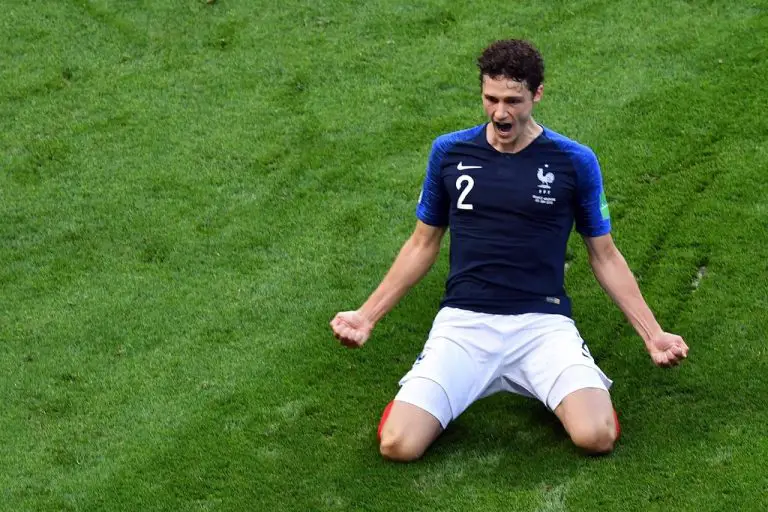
[544, 188]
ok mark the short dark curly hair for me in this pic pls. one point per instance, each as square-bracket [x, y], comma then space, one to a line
[516, 59]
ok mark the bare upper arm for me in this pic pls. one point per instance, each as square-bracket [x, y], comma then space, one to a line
[426, 235]
[600, 248]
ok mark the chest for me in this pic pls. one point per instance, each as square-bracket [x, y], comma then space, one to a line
[538, 185]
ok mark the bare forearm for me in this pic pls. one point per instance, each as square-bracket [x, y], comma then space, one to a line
[617, 280]
[412, 263]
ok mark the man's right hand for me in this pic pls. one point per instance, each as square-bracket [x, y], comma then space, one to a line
[351, 328]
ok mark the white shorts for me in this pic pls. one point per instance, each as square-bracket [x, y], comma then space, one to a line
[472, 355]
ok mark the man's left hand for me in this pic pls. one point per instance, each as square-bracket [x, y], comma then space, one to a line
[667, 349]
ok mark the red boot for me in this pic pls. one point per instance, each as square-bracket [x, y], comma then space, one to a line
[385, 415]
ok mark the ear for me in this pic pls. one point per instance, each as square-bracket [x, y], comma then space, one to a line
[538, 94]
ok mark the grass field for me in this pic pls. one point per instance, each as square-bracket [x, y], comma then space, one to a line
[189, 192]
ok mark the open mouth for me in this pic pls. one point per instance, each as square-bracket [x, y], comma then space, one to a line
[504, 128]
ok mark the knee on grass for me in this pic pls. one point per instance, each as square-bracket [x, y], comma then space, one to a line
[397, 446]
[596, 438]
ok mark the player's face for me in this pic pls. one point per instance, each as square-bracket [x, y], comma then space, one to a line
[508, 104]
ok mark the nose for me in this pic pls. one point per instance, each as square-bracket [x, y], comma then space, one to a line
[500, 114]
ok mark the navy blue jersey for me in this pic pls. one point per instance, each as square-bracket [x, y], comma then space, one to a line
[510, 216]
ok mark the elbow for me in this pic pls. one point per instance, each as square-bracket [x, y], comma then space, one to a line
[429, 253]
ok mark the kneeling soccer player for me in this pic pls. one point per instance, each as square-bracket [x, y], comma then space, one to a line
[510, 191]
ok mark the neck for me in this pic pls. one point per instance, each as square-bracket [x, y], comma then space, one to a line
[527, 135]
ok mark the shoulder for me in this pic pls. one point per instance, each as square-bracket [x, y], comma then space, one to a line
[447, 140]
[582, 155]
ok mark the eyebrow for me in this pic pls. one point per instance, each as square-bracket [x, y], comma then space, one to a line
[504, 98]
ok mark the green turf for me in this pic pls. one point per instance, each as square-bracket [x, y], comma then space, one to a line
[189, 192]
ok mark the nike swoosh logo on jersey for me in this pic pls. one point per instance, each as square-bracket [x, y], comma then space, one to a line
[463, 167]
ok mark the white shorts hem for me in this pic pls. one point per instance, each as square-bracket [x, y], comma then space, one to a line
[581, 376]
[428, 395]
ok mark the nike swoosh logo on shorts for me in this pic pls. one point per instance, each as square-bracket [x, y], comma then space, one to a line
[463, 167]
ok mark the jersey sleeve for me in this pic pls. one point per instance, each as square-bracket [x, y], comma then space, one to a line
[592, 215]
[434, 202]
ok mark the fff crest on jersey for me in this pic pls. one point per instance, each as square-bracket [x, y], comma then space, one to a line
[544, 189]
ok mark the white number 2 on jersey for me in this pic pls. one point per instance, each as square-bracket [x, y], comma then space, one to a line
[460, 204]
